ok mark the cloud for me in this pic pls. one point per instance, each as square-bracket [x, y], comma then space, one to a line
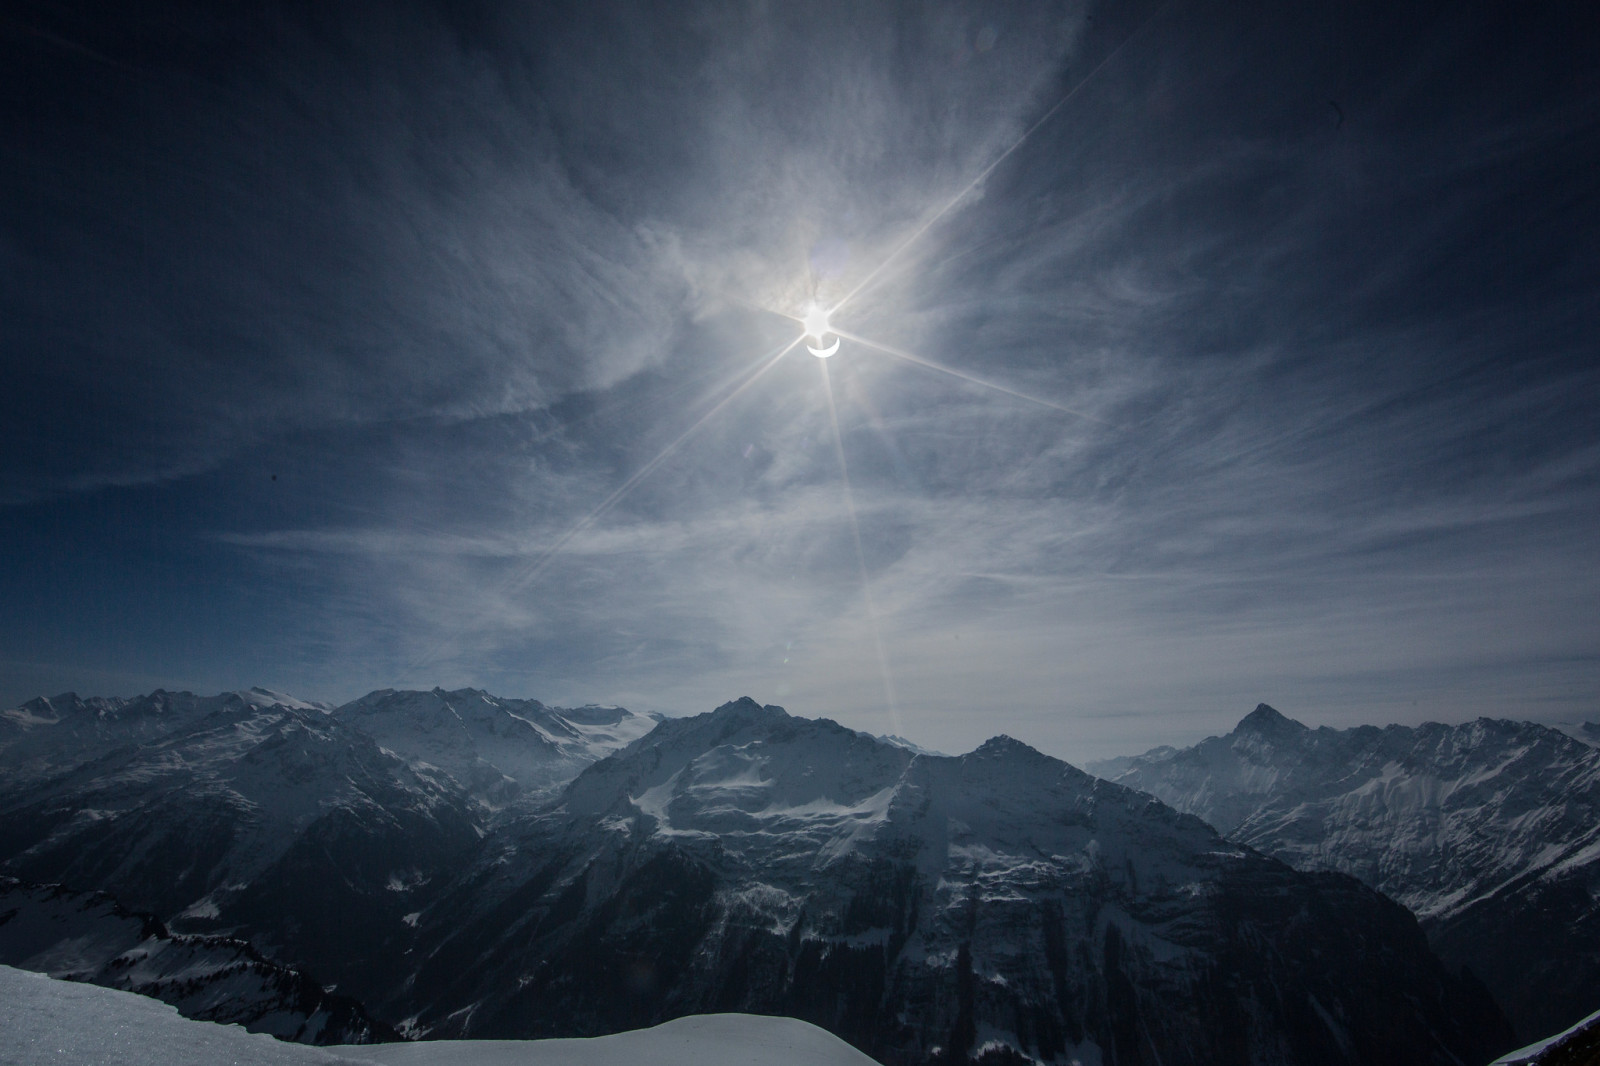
[458, 277]
[379, 214]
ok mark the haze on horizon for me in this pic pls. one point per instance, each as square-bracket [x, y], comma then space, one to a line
[358, 345]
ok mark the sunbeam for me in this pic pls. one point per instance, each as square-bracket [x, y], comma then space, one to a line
[861, 557]
[644, 471]
[533, 570]
[929, 364]
[815, 322]
[860, 398]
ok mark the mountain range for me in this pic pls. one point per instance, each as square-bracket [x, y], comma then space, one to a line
[471, 866]
[1489, 831]
[999, 907]
[296, 825]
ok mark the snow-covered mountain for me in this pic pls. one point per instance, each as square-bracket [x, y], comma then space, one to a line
[47, 736]
[1489, 831]
[280, 824]
[316, 832]
[83, 936]
[1585, 732]
[44, 1022]
[1000, 906]
[499, 749]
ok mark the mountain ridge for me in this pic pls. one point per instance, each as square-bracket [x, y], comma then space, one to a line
[1489, 830]
[999, 906]
[288, 823]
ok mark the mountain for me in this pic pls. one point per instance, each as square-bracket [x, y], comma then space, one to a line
[999, 906]
[48, 736]
[280, 824]
[1489, 831]
[500, 750]
[1586, 732]
[90, 937]
[318, 833]
[44, 1022]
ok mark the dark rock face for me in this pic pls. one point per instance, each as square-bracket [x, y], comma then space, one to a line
[1269, 723]
[1489, 831]
[996, 907]
[89, 937]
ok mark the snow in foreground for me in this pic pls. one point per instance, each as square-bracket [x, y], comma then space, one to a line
[43, 1020]
[1522, 1055]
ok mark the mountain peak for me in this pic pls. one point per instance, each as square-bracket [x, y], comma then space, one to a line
[1266, 721]
[1011, 756]
[745, 707]
[1002, 745]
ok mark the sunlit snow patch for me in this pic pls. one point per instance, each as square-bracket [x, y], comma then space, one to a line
[47, 1021]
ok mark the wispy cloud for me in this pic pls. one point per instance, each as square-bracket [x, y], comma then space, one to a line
[1285, 401]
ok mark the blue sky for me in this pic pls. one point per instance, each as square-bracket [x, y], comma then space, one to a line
[331, 334]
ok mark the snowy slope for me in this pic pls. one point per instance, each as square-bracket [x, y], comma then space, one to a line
[1489, 831]
[47, 736]
[1578, 1045]
[697, 1040]
[89, 937]
[179, 823]
[47, 1023]
[276, 823]
[1584, 732]
[318, 833]
[499, 749]
[993, 905]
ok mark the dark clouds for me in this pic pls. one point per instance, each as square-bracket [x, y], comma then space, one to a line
[255, 225]
[1320, 283]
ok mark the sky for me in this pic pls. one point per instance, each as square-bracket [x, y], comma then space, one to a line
[1192, 355]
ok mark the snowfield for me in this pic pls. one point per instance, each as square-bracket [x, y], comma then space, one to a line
[1558, 1045]
[45, 1021]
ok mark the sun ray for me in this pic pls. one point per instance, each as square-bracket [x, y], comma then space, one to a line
[967, 189]
[530, 573]
[861, 558]
[880, 426]
[820, 314]
[644, 471]
[930, 365]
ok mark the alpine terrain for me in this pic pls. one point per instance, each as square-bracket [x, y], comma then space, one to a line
[84, 936]
[473, 867]
[317, 833]
[999, 906]
[1489, 831]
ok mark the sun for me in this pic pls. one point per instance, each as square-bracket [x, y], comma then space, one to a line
[815, 322]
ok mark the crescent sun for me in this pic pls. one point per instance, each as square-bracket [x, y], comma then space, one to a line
[823, 353]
